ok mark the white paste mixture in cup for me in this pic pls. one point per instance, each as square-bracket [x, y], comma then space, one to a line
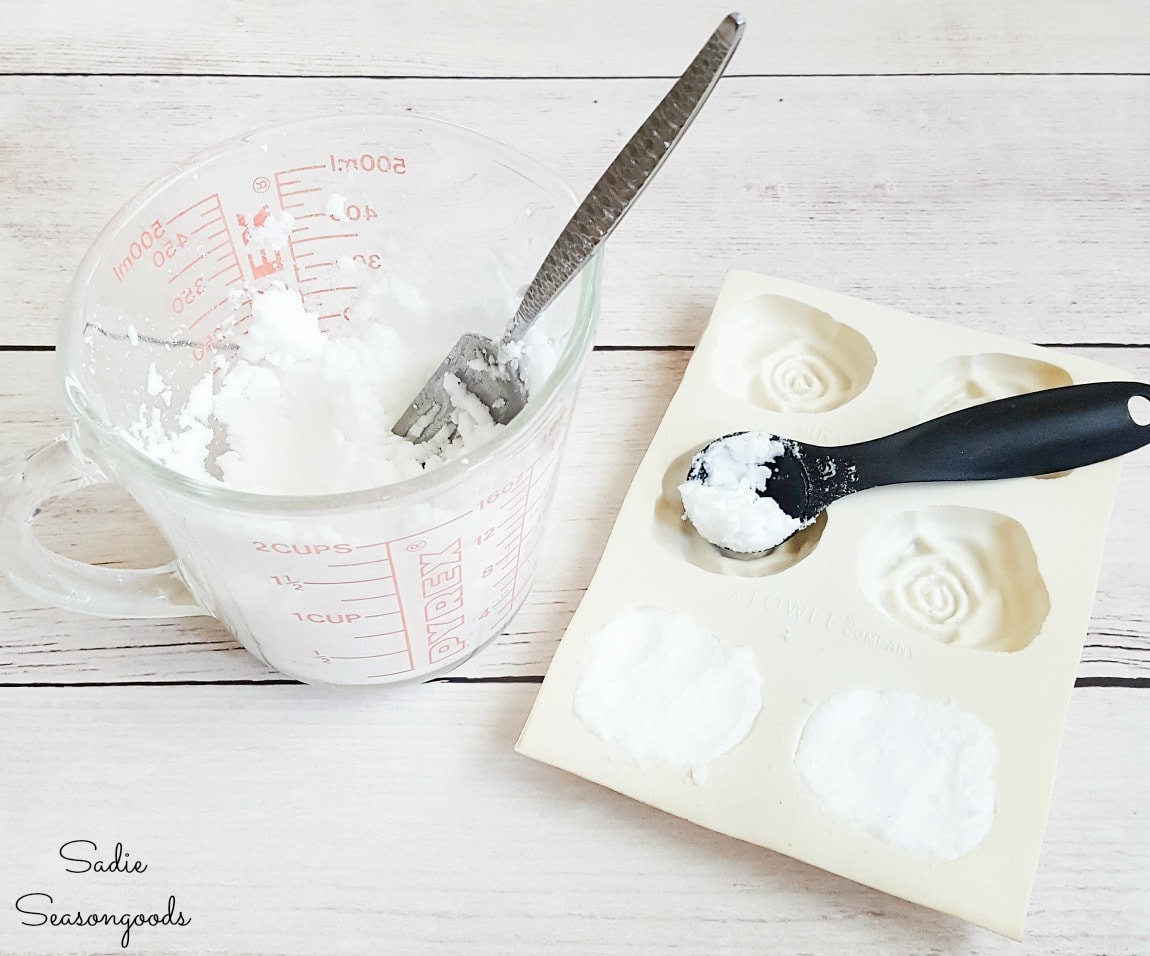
[299, 409]
[664, 689]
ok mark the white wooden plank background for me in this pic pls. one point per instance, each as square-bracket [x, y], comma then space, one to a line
[504, 38]
[306, 821]
[1016, 204]
[979, 162]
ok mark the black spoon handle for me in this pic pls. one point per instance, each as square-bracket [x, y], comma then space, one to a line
[1033, 434]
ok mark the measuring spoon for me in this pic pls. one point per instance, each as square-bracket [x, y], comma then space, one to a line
[484, 366]
[749, 492]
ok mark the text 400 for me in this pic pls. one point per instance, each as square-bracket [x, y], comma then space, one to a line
[353, 213]
[151, 239]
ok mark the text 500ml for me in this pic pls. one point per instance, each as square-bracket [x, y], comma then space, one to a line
[151, 238]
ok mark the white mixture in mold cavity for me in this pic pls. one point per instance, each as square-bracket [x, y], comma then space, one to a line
[663, 689]
[295, 409]
[729, 508]
[914, 773]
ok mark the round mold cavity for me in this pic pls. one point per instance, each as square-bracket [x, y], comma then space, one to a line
[675, 533]
[967, 380]
[966, 577]
[786, 356]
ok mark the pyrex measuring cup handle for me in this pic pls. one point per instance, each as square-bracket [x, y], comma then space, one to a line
[25, 486]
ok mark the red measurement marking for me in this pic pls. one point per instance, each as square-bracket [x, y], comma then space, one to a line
[402, 615]
[203, 226]
[232, 246]
[215, 275]
[359, 564]
[374, 597]
[213, 198]
[334, 315]
[318, 265]
[402, 670]
[176, 277]
[208, 312]
[363, 637]
[310, 215]
[334, 235]
[298, 192]
[338, 288]
[417, 534]
[365, 657]
[510, 527]
[300, 169]
[520, 513]
[386, 577]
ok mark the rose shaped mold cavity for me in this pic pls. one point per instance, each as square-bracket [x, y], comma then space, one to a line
[963, 576]
[675, 533]
[787, 356]
[967, 380]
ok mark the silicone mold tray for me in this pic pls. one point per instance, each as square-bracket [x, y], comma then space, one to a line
[1011, 565]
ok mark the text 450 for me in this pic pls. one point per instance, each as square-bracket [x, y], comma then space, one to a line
[150, 242]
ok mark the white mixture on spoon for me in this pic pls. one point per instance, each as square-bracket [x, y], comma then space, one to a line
[727, 498]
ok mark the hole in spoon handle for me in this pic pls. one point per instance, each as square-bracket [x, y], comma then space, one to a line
[1139, 408]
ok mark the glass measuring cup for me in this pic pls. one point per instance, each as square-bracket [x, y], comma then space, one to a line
[385, 584]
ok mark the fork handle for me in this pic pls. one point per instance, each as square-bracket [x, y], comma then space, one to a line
[621, 183]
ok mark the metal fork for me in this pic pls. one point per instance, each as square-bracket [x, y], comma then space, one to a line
[487, 368]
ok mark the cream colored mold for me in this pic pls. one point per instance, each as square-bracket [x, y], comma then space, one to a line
[784, 355]
[902, 589]
[965, 577]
